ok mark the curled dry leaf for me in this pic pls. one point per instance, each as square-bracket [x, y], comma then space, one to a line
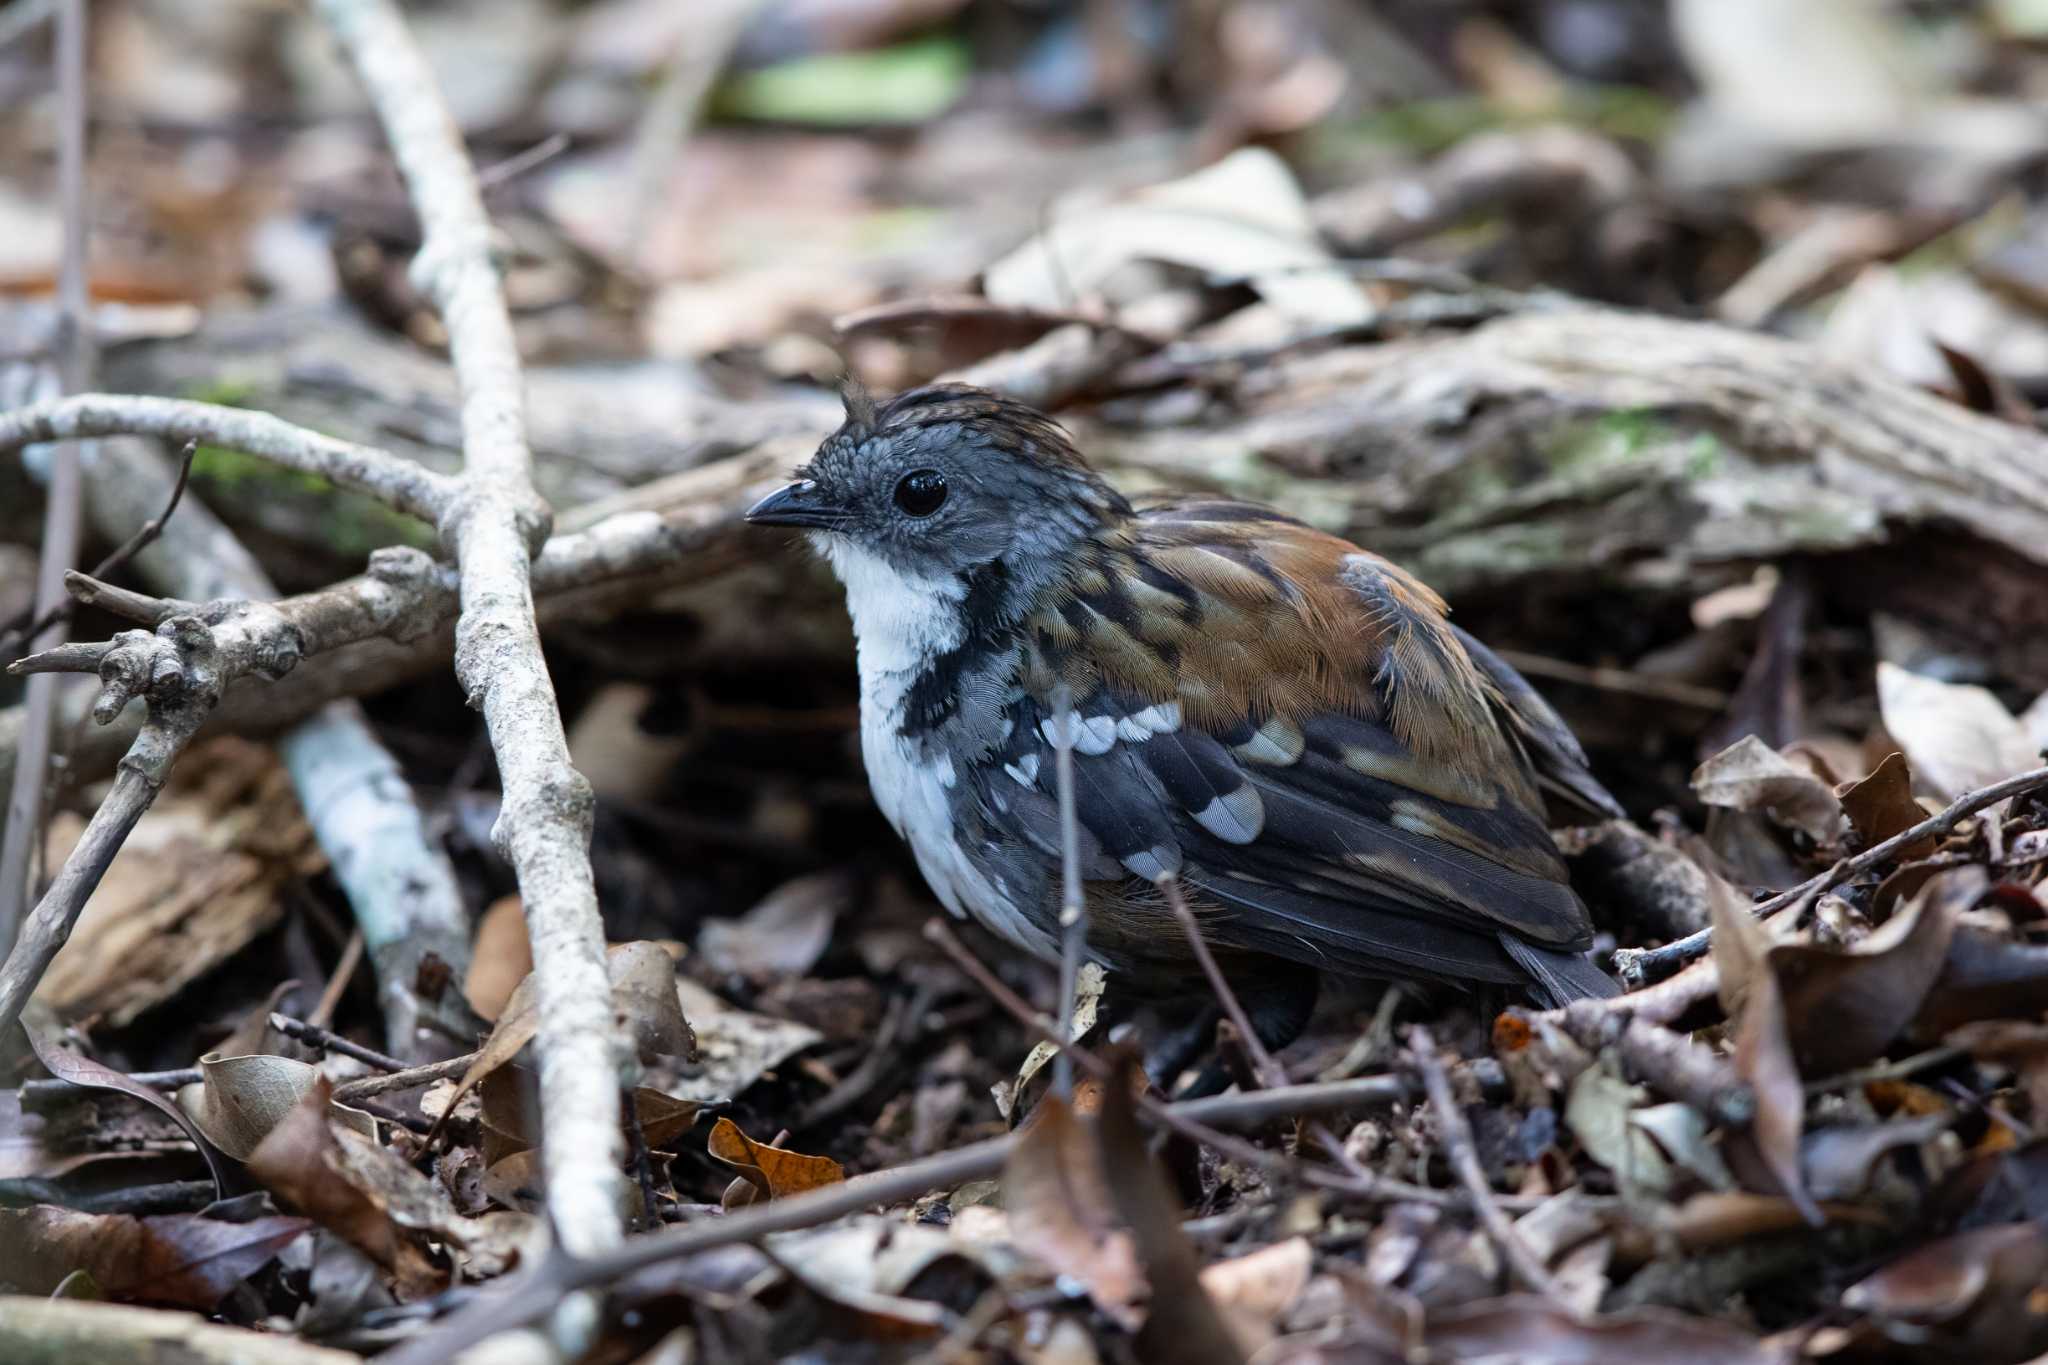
[500, 958]
[239, 1101]
[1845, 1007]
[1088, 987]
[1598, 1114]
[1751, 776]
[1881, 806]
[1194, 1333]
[1534, 1331]
[84, 1071]
[1242, 217]
[1839, 1160]
[301, 1162]
[772, 1171]
[1985, 976]
[874, 1266]
[735, 1047]
[1975, 1296]
[785, 934]
[1059, 1206]
[1957, 736]
[1254, 1291]
[180, 1259]
[643, 978]
[1763, 1057]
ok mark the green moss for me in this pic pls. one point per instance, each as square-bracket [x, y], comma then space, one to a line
[905, 84]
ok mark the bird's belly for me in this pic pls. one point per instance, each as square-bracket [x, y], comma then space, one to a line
[916, 795]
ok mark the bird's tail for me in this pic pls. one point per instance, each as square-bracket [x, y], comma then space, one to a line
[1557, 977]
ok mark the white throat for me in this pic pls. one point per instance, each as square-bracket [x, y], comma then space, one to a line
[901, 622]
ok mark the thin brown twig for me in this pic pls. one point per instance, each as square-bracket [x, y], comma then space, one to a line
[364, 1087]
[1172, 1117]
[1464, 1159]
[337, 984]
[1267, 1070]
[12, 637]
[1640, 966]
[327, 1041]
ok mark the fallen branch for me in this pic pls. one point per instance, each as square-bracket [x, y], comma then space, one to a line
[1638, 967]
[495, 524]
[398, 484]
[39, 1331]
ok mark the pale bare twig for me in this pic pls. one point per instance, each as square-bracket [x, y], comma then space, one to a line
[495, 524]
[398, 484]
[63, 511]
[1639, 966]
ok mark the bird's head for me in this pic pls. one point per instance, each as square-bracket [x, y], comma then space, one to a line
[939, 484]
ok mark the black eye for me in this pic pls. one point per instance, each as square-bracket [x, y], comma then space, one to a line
[921, 492]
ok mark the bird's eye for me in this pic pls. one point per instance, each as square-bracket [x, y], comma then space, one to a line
[921, 492]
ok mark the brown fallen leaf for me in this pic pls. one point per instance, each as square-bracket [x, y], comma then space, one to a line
[301, 1162]
[1254, 1291]
[1763, 1057]
[239, 1100]
[2021, 1044]
[1193, 1332]
[772, 1172]
[179, 1260]
[1844, 1007]
[1060, 1212]
[500, 958]
[84, 1071]
[1957, 736]
[1985, 976]
[1882, 805]
[1533, 1331]
[1751, 776]
[643, 980]
[1973, 1297]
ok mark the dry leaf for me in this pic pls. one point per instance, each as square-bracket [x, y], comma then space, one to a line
[1957, 736]
[179, 1259]
[239, 1100]
[1192, 1332]
[1060, 1211]
[1533, 1331]
[302, 1163]
[1882, 805]
[643, 979]
[84, 1071]
[785, 934]
[735, 1047]
[1751, 776]
[500, 959]
[772, 1171]
[1255, 1290]
[1976, 1296]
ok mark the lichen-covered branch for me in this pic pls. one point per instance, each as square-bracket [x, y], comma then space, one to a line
[495, 525]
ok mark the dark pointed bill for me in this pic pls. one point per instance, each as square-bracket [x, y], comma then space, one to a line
[797, 504]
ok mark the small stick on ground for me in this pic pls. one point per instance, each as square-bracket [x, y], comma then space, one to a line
[312, 1035]
[1464, 1159]
[1638, 967]
[356, 1091]
[145, 535]
[1268, 1071]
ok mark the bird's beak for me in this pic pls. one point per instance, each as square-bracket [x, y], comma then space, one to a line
[798, 504]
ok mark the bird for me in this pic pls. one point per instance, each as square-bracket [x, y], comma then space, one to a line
[1285, 727]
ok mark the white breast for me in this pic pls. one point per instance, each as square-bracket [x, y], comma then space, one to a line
[902, 624]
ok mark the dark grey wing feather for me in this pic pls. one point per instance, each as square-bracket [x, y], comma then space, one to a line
[1310, 848]
[1562, 769]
